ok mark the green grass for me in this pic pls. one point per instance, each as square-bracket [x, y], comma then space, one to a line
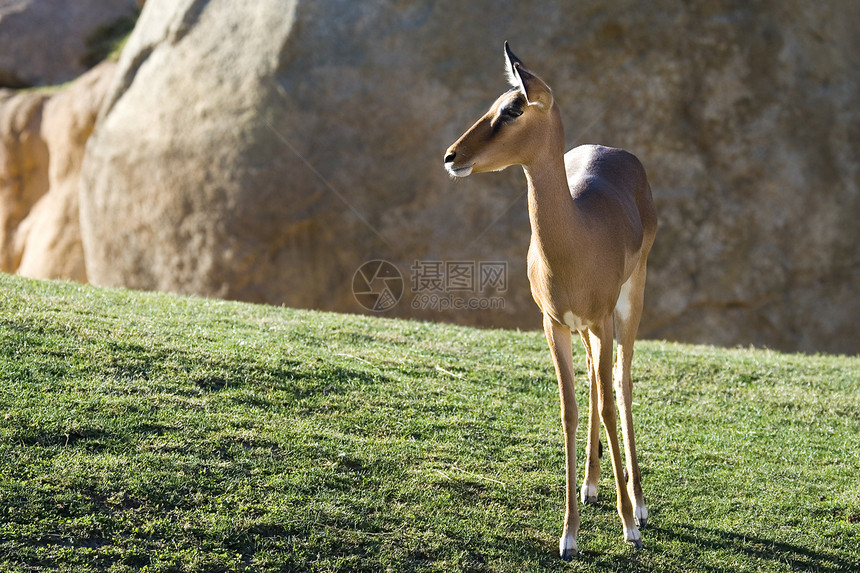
[147, 432]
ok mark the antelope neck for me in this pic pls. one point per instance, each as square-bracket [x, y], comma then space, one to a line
[552, 212]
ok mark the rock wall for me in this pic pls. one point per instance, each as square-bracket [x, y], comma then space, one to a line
[23, 168]
[263, 151]
[43, 137]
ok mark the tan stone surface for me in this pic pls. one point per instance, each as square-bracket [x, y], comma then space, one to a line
[51, 235]
[43, 139]
[23, 168]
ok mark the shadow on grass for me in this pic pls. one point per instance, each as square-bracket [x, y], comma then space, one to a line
[796, 557]
[694, 551]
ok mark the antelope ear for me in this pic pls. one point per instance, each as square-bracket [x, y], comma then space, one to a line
[536, 91]
[511, 64]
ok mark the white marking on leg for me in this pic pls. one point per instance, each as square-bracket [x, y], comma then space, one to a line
[573, 322]
[567, 547]
[589, 493]
[640, 513]
[633, 537]
[624, 304]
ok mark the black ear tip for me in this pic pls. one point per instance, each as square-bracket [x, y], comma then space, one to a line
[510, 55]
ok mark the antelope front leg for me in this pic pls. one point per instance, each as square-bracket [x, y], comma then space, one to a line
[558, 338]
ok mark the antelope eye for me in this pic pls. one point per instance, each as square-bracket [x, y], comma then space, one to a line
[509, 112]
[512, 111]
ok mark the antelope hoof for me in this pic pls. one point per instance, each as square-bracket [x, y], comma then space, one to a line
[567, 548]
[588, 494]
[640, 515]
[633, 537]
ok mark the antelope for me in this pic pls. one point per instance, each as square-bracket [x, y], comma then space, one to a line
[593, 223]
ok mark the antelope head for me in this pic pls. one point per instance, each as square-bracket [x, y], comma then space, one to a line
[523, 122]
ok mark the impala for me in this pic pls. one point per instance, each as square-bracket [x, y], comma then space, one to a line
[593, 224]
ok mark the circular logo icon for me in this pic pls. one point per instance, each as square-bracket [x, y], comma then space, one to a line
[377, 285]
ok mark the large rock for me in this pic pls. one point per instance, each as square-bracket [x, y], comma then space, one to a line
[50, 236]
[44, 42]
[23, 168]
[42, 140]
[263, 151]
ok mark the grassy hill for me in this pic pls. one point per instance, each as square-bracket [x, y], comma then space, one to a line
[148, 432]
